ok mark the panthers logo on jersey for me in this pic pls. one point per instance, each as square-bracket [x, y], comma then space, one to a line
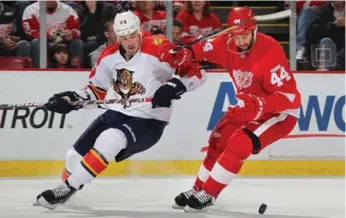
[124, 85]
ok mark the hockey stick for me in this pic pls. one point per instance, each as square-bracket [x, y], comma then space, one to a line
[80, 103]
[267, 17]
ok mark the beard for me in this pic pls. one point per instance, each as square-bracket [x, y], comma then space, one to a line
[244, 49]
[249, 46]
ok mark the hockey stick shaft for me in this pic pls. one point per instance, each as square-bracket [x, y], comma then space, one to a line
[267, 17]
[81, 103]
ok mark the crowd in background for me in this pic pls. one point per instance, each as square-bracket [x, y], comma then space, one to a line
[78, 31]
[321, 34]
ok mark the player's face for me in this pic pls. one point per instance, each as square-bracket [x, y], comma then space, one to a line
[176, 34]
[243, 42]
[61, 57]
[130, 43]
[110, 34]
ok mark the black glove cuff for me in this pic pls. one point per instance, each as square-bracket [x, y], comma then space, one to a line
[73, 96]
[179, 87]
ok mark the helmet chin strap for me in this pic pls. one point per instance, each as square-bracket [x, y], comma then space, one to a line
[254, 34]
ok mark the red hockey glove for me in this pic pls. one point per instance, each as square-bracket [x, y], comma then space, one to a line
[181, 58]
[250, 111]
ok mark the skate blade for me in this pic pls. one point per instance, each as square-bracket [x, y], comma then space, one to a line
[41, 202]
[177, 207]
[188, 209]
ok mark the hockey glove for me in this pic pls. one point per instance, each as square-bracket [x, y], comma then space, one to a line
[59, 103]
[164, 95]
[181, 58]
[252, 109]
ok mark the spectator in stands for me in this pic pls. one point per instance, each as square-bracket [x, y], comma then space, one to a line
[11, 43]
[177, 34]
[179, 40]
[177, 31]
[176, 3]
[111, 38]
[301, 4]
[60, 57]
[73, 4]
[340, 60]
[327, 30]
[122, 5]
[304, 9]
[62, 27]
[177, 6]
[151, 20]
[93, 15]
[20, 7]
[176, 9]
[198, 19]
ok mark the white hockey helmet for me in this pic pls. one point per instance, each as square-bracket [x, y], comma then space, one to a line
[126, 23]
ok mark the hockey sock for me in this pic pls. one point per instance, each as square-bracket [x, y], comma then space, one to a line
[203, 173]
[65, 174]
[72, 159]
[238, 149]
[90, 167]
[222, 174]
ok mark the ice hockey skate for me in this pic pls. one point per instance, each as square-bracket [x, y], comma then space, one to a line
[50, 199]
[199, 202]
[181, 200]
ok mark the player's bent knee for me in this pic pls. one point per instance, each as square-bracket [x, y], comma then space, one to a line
[240, 144]
[256, 143]
[110, 142]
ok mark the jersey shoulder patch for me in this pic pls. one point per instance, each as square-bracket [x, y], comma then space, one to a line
[157, 40]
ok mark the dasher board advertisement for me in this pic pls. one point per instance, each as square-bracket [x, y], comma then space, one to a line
[37, 134]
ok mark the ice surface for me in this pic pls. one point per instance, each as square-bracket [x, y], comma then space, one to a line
[153, 197]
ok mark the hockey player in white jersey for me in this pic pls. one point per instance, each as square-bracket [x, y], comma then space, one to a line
[129, 69]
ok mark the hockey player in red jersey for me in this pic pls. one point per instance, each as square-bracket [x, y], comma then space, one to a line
[267, 110]
[129, 69]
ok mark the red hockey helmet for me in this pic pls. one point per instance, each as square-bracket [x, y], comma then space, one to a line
[243, 20]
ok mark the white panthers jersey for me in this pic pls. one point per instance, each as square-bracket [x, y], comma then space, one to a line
[139, 77]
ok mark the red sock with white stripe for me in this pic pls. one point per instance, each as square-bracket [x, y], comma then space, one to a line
[204, 172]
[225, 169]
[223, 172]
[238, 149]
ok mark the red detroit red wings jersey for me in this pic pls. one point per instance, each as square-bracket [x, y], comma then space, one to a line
[63, 18]
[158, 20]
[195, 27]
[263, 71]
